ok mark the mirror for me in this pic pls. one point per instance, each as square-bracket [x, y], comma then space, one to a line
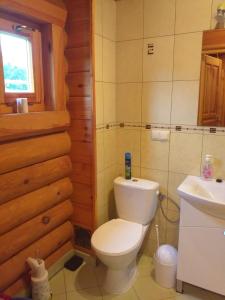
[211, 108]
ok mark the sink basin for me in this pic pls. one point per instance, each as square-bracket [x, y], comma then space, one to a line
[206, 195]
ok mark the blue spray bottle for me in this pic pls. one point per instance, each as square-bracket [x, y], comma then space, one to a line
[128, 165]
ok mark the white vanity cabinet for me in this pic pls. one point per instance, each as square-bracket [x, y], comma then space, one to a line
[201, 250]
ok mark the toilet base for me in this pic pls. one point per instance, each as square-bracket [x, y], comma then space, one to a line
[120, 281]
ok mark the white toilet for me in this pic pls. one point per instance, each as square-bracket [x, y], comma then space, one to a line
[118, 241]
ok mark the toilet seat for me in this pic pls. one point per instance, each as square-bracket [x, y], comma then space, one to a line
[117, 237]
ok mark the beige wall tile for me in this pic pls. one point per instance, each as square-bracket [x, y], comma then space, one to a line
[172, 229]
[128, 102]
[99, 104]
[129, 61]
[129, 20]
[128, 140]
[97, 16]
[185, 102]
[100, 191]
[192, 15]
[215, 145]
[100, 150]
[154, 154]
[175, 179]
[109, 175]
[109, 19]
[109, 147]
[109, 93]
[156, 175]
[158, 66]
[98, 57]
[109, 61]
[185, 153]
[156, 102]
[159, 17]
[187, 56]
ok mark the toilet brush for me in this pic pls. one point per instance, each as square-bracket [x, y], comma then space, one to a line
[157, 235]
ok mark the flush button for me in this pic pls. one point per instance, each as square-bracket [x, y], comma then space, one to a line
[219, 180]
[134, 180]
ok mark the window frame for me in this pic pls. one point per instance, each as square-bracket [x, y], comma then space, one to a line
[34, 36]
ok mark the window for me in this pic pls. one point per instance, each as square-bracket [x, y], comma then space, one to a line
[20, 63]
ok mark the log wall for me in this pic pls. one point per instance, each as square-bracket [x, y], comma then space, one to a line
[35, 205]
[35, 170]
[81, 108]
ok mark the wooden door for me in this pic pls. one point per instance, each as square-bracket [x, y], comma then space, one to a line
[210, 100]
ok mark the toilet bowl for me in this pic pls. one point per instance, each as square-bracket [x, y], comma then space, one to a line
[118, 241]
[116, 244]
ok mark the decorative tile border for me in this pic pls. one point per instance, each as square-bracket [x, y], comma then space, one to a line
[174, 128]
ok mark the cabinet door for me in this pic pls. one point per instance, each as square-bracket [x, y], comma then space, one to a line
[201, 257]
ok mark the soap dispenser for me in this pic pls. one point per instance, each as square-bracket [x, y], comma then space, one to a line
[207, 169]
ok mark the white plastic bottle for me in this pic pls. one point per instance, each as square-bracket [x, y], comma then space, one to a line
[207, 168]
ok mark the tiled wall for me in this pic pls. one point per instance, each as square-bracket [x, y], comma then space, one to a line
[161, 89]
[105, 89]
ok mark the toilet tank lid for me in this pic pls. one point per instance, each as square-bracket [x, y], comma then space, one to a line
[137, 183]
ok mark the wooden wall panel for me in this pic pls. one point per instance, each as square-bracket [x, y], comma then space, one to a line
[81, 173]
[23, 235]
[26, 125]
[15, 266]
[81, 131]
[79, 59]
[35, 191]
[82, 194]
[23, 282]
[23, 181]
[81, 108]
[79, 83]
[19, 210]
[27, 152]
[78, 33]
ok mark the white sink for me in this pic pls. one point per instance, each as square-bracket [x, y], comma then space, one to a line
[206, 195]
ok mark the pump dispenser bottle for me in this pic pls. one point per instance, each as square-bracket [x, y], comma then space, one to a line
[207, 169]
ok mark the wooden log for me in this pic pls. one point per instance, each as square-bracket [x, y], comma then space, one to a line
[80, 108]
[25, 234]
[79, 84]
[24, 284]
[82, 173]
[22, 209]
[16, 126]
[81, 131]
[22, 181]
[41, 11]
[16, 266]
[27, 152]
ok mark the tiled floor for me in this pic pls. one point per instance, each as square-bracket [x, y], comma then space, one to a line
[86, 283]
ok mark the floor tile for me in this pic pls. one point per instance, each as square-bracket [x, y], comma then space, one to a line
[57, 283]
[59, 297]
[86, 294]
[147, 289]
[145, 266]
[100, 272]
[130, 295]
[82, 278]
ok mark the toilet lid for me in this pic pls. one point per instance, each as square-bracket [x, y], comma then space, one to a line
[117, 237]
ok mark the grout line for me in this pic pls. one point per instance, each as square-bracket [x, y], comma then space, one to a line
[142, 83]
